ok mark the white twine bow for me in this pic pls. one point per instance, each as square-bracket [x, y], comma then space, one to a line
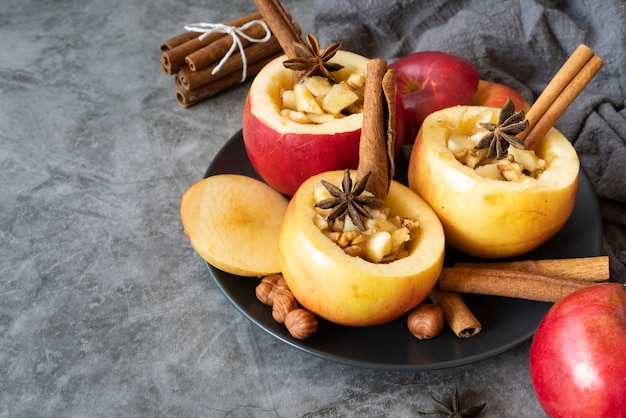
[237, 33]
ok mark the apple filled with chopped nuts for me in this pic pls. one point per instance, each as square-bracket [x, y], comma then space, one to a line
[353, 276]
[495, 199]
[301, 118]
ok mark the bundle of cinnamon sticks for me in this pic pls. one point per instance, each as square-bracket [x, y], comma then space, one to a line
[195, 59]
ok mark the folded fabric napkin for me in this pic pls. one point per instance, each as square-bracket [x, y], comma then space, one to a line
[521, 43]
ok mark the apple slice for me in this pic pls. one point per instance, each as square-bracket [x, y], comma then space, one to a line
[233, 222]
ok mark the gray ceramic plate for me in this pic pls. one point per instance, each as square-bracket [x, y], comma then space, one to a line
[506, 322]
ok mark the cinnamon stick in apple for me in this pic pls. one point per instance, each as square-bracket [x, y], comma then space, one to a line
[172, 60]
[564, 87]
[458, 316]
[281, 25]
[378, 129]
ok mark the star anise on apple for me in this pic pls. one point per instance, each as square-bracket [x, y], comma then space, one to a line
[349, 199]
[312, 60]
[455, 410]
[502, 134]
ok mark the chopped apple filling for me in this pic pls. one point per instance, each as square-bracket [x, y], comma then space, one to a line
[384, 239]
[518, 165]
[315, 100]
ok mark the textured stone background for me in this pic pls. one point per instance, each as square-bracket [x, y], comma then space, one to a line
[105, 309]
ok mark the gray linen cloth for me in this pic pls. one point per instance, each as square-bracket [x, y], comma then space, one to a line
[521, 43]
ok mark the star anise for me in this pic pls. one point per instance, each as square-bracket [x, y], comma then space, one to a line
[312, 60]
[454, 411]
[502, 135]
[349, 200]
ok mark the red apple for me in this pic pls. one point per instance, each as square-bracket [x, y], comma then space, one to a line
[492, 94]
[431, 80]
[285, 152]
[577, 361]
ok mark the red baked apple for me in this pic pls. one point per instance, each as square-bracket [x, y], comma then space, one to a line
[577, 361]
[492, 94]
[292, 133]
[432, 80]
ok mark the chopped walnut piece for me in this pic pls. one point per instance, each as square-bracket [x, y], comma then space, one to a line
[511, 171]
[352, 242]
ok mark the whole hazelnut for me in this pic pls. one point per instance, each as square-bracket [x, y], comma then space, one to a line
[264, 292]
[301, 323]
[284, 302]
[275, 279]
[265, 289]
[425, 321]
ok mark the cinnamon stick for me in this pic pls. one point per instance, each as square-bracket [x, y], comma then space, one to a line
[458, 316]
[281, 25]
[564, 87]
[508, 283]
[172, 60]
[179, 39]
[373, 142]
[215, 51]
[187, 98]
[389, 91]
[594, 269]
[561, 79]
[191, 80]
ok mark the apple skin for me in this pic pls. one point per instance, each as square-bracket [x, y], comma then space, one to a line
[285, 160]
[285, 153]
[349, 290]
[490, 218]
[432, 80]
[577, 362]
[492, 94]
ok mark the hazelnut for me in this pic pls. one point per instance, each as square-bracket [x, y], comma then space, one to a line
[265, 290]
[301, 323]
[276, 280]
[425, 321]
[284, 302]
[264, 293]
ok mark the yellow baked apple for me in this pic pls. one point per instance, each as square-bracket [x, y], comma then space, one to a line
[501, 208]
[348, 289]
